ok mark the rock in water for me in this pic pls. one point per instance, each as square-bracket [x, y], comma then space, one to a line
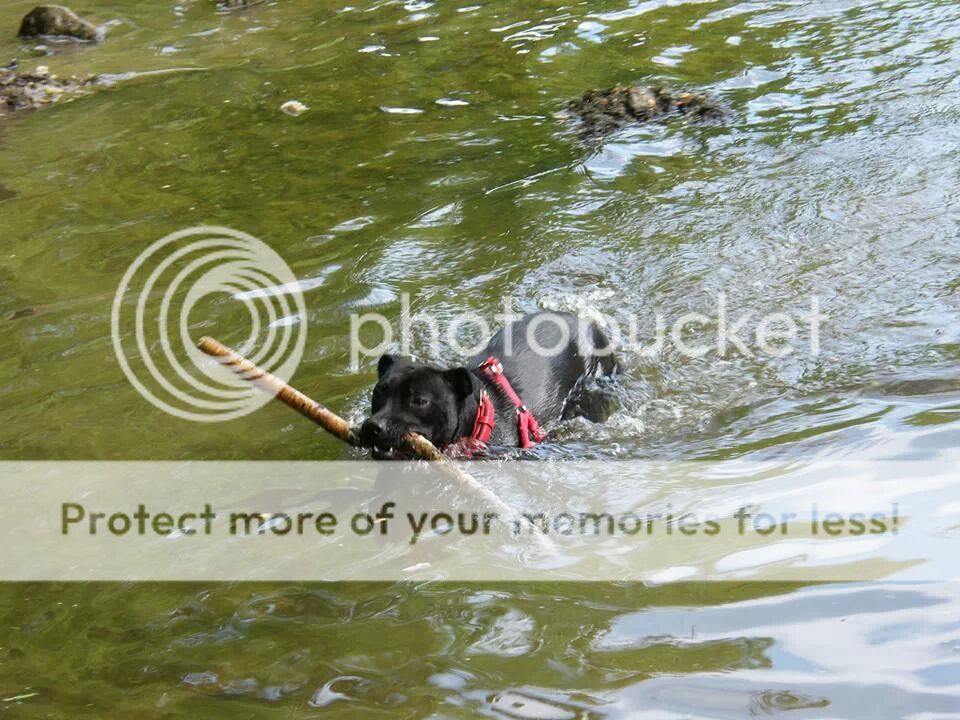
[600, 112]
[56, 20]
[23, 91]
[294, 108]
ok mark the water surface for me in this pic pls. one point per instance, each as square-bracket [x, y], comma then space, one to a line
[835, 177]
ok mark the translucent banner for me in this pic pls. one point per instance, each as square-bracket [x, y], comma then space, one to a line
[554, 521]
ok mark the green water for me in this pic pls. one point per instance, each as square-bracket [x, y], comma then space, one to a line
[835, 176]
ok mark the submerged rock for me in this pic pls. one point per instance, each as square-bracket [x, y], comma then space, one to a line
[58, 21]
[602, 111]
[21, 313]
[227, 5]
[26, 90]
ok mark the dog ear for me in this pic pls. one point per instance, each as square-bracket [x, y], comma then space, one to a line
[461, 380]
[388, 362]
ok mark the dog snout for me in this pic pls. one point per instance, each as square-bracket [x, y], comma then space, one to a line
[375, 432]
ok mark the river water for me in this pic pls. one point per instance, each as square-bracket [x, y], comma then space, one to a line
[834, 177]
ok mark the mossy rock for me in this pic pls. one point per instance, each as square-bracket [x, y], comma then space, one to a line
[29, 90]
[57, 21]
[601, 112]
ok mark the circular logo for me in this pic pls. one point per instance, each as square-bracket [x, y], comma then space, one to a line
[183, 285]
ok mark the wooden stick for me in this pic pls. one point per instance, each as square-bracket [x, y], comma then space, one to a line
[329, 421]
[338, 427]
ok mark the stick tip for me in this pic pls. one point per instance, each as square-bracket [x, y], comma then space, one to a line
[209, 345]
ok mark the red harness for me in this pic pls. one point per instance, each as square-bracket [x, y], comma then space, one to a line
[527, 426]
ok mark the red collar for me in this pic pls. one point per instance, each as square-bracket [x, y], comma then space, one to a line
[484, 421]
[528, 428]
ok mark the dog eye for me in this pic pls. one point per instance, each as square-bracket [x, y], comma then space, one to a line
[419, 401]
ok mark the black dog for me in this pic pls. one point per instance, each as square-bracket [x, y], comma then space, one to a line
[545, 358]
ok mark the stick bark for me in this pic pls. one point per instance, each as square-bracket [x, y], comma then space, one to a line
[329, 421]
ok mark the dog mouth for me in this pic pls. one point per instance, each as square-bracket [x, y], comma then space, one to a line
[390, 453]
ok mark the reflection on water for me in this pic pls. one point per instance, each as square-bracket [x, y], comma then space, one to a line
[835, 177]
[717, 650]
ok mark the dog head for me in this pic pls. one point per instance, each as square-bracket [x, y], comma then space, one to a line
[410, 397]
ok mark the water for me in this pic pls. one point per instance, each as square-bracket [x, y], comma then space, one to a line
[835, 177]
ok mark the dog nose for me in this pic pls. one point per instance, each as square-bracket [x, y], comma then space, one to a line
[373, 431]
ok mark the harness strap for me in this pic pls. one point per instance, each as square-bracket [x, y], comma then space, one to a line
[527, 426]
[484, 421]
